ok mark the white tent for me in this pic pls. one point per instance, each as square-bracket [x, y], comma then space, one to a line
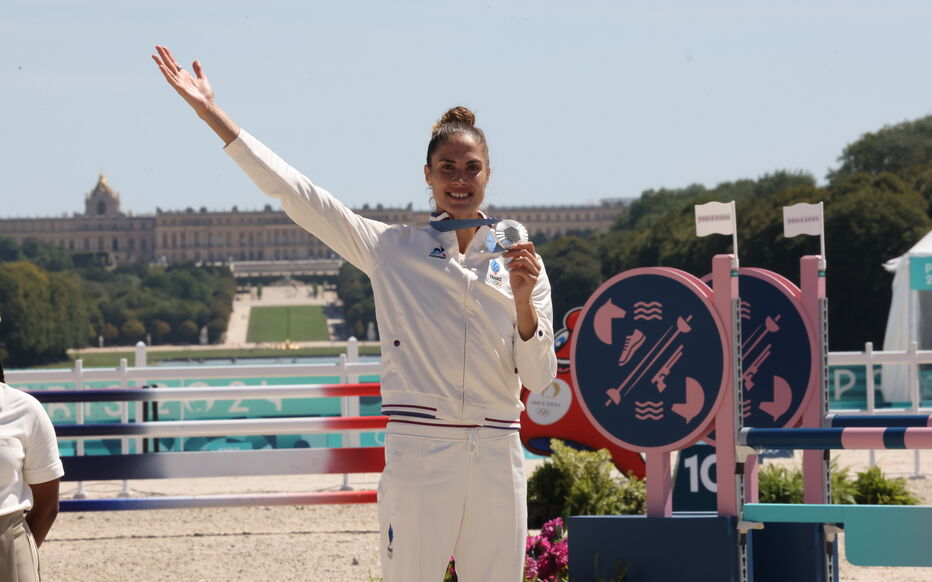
[910, 319]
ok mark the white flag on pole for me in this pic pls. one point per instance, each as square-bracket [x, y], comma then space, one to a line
[715, 218]
[802, 218]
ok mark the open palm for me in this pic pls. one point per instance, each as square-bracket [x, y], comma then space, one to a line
[195, 89]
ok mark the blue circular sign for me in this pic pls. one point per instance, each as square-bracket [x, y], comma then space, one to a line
[778, 360]
[649, 359]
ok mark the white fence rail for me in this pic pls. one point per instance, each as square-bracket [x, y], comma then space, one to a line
[348, 369]
[912, 357]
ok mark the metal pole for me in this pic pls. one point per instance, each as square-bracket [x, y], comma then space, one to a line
[79, 419]
[346, 438]
[141, 411]
[124, 417]
[913, 379]
[871, 403]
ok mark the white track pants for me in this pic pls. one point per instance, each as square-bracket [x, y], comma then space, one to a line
[452, 491]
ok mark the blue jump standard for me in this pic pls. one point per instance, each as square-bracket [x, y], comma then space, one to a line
[694, 547]
[698, 548]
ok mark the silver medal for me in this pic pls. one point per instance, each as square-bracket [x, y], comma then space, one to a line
[510, 232]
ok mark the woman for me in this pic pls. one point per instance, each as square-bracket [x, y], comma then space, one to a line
[462, 326]
[29, 473]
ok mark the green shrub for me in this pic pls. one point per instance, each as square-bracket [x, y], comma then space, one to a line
[781, 484]
[546, 486]
[576, 482]
[873, 488]
[843, 489]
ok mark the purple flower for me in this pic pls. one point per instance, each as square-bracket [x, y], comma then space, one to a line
[530, 569]
[553, 529]
[546, 567]
[561, 554]
[547, 555]
[531, 544]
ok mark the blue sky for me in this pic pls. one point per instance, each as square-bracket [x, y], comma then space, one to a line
[580, 100]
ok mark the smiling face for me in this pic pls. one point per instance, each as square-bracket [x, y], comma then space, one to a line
[457, 175]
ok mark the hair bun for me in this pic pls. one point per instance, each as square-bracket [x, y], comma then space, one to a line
[455, 116]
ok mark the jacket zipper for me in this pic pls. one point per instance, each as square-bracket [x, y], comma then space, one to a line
[465, 331]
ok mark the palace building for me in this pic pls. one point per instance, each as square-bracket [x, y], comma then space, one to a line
[253, 235]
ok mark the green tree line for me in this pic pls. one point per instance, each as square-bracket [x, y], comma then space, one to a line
[878, 203]
[355, 292]
[52, 300]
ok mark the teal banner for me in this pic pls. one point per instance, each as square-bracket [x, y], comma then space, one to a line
[214, 409]
[848, 388]
[920, 273]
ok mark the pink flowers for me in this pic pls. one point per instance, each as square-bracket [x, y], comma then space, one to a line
[547, 555]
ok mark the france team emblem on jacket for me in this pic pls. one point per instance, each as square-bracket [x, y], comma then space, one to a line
[391, 537]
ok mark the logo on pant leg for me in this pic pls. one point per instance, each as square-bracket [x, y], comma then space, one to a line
[391, 537]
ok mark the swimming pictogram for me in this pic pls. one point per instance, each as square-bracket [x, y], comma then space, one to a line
[648, 310]
[648, 410]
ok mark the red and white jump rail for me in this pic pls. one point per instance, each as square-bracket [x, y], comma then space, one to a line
[220, 463]
[348, 369]
[218, 428]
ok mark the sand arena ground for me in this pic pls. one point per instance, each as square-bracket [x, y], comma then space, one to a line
[332, 543]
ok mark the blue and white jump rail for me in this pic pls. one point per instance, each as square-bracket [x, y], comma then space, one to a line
[828, 439]
[891, 420]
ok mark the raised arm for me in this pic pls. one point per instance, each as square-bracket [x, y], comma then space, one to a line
[196, 91]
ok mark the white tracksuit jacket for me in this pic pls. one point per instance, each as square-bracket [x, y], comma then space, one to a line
[451, 351]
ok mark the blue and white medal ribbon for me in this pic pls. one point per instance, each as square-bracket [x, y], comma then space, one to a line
[446, 225]
[507, 232]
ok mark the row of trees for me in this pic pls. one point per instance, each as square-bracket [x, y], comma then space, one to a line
[355, 291]
[878, 203]
[48, 304]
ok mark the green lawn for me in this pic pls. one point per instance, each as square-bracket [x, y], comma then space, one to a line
[298, 323]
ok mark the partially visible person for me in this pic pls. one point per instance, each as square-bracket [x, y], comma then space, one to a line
[30, 470]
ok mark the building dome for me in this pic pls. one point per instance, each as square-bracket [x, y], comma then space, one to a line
[102, 200]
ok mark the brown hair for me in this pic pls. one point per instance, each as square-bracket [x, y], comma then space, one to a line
[456, 120]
